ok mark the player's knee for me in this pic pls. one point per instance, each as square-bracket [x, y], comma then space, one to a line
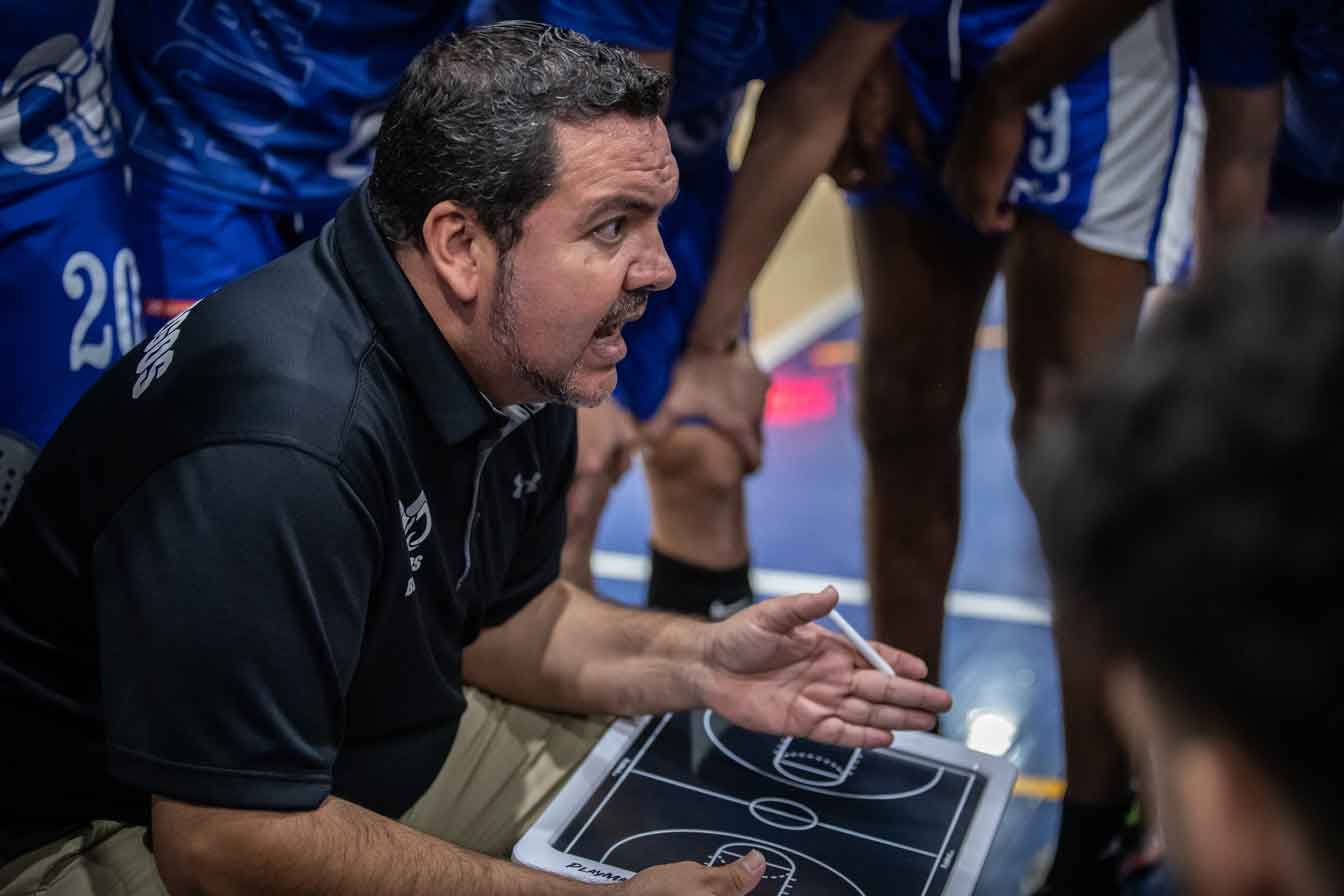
[697, 460]
[900, 412]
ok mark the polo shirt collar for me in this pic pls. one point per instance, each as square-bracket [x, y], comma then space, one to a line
[456, 409]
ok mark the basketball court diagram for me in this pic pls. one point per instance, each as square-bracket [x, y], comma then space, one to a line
[827, 819]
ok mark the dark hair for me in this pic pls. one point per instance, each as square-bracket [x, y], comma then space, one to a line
[472, 122]
[1191, 506]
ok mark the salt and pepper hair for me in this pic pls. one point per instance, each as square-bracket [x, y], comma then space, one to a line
[473, 122]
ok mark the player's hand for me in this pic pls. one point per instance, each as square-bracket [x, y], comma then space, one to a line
[694, 879]
[608, 438]
[770, 668]
[727, 389]
[883, 107]
[984, 153]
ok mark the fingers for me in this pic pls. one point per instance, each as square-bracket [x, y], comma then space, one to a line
[783, 614]
[741, 877]
[746, 438]
[906, 665]
[883, 717]
[876, 687]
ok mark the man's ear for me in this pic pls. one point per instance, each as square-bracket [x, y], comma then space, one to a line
[458, 249]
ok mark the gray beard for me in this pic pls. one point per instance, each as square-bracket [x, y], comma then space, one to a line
[504, 330]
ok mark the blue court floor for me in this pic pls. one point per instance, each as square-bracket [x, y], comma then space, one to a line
[804, 513]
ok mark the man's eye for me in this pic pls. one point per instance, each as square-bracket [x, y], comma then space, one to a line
[611, 231]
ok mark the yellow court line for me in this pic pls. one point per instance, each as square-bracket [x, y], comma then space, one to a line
[1032, 787]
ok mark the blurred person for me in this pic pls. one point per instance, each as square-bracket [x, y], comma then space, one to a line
[72, 294]
[1188, 505]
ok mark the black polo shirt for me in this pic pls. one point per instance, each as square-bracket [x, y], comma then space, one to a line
[243, 571]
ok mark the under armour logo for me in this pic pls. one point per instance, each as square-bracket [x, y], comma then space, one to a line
[523, 486]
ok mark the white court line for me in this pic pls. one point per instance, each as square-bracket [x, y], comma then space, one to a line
[952, 827]
[966, 604]
[617, 786]
[820, 824]
[805, 329]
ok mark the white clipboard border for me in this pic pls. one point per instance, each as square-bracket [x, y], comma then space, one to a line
[535, 849]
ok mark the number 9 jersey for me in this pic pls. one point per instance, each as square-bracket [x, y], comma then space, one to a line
[70, 304]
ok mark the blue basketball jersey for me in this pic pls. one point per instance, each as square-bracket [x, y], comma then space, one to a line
[265, 103]
[57, 117]
[1255, 43]
[717, 45]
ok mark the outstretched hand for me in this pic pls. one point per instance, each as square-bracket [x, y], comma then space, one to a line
[771, 668]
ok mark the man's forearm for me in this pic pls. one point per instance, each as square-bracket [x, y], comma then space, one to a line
[1055, 44]
[339, 848]
[568, 650]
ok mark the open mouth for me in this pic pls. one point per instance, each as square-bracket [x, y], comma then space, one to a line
[612, 327]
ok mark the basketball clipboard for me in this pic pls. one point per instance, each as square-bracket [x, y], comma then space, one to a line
[917, 817]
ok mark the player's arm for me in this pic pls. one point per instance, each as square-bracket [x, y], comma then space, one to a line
[1243, 131]
[1050, 48]
[337, 848]
[800, 123]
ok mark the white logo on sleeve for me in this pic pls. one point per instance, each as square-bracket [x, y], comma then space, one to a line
[158, 355]
[415, 524]
[527, 486]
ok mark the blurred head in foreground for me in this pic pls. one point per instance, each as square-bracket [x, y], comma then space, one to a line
[1191, 505]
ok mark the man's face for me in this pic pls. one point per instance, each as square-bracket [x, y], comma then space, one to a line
[588, 257]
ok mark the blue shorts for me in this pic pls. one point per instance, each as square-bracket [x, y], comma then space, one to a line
[73, 307]
[1099, 153]
[690, 228]
[190, 244]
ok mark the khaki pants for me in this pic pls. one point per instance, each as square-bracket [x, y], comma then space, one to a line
[506, 764]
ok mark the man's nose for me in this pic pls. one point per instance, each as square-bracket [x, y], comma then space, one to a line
[653, 271]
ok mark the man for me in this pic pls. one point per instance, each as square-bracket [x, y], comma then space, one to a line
[247, 125]
[1188, 507]
[305, 541]
[691, 394]
[72, 296]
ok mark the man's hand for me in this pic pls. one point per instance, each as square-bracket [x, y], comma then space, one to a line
[882, 107]
[726, 388]
[984, 153]
[694, 879]
[770, 668]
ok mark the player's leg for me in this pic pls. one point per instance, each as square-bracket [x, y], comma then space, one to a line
[189, 245]
[699, 528]
[72, 310]
[606, 441]
[924, 279]
[1068, 308]
[1093, 190]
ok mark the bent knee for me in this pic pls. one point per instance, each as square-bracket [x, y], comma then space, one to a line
[899, 412]
[697, 459]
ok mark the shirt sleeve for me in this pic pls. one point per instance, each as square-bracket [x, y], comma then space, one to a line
[231, 596]
[536, 562]
[1235, 43]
